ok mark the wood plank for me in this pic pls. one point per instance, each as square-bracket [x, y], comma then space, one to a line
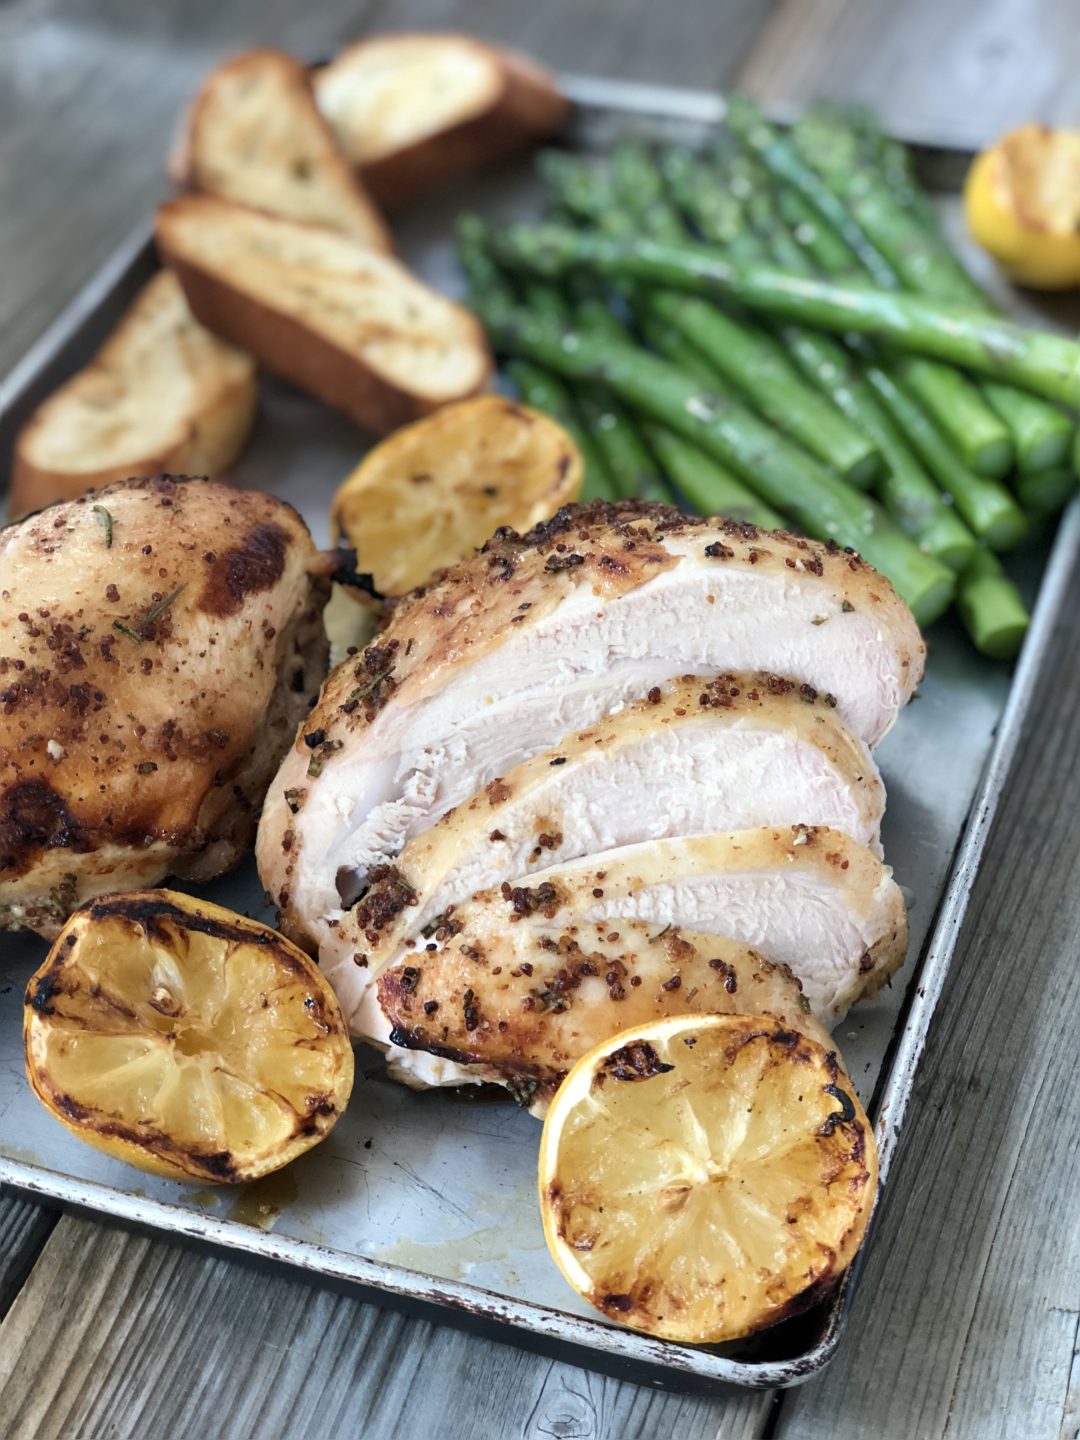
[692, 43]
[963, 71]
[966, 1321]
[24, 1228]
[122, 1334]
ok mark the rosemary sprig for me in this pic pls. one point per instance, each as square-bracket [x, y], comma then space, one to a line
[107, 521]
[127, 630]
[159, 608]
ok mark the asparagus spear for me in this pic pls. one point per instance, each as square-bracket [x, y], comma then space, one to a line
[894, 160]
[817, 501]
[626, 457]
[703, 480]
[989, 603]
[846, 252]
[546, 392]
[587, 192]
[1048, 364]
[740, 350]
[744, 354]
[1046, 491]
[746, 122]
[828, 251]
[905, 489]
[991, 608]
[985, 505]
[952, 401]
[918, 254]
[708, 484]
[633, 470]
[537, 387]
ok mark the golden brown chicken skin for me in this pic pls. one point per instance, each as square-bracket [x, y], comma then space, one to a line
[159, 642]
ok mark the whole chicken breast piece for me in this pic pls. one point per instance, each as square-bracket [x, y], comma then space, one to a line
[517, 1005]
[694, 757]
[541, 635]
[160, 641]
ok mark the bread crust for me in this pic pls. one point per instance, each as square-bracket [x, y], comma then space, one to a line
[188, 169]
[296, 350]
[210, 444]
[522, 105]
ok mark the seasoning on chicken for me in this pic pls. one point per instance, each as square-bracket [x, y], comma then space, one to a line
[697, 757]
[517, 1005]
[542, 635]
[160, 641]
[806, 897]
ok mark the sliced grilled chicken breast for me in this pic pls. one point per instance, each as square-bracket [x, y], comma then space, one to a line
[697, 757]
[541, 635]
[805, 896]
[519, 1004]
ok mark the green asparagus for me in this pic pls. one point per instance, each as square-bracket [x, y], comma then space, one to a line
[746, 122]
[546, 392]
[1045, 492]
[915, 249]
[745, 355]
[632, 470]
[708, 486]
[991, 608]
[817, 501]
[1048, 364]
[536, 386]
[985, 505]
[904, 488]
[974, 426]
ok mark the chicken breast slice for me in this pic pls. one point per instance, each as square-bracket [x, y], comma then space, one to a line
[160, 641]
[517, 1005]
[542, 635]
[696, 757]
[805, 896]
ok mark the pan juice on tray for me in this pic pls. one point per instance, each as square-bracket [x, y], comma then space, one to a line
[596, 814]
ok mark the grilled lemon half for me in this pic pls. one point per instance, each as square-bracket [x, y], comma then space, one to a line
[702, 1177]
[185, 1039]
[1022, 204]
[432, 493]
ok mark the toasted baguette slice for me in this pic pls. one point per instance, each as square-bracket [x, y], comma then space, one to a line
[163, 393]
[413, 112]
[351, 326]
[255, 135]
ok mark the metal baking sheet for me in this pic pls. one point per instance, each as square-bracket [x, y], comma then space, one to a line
[428, 1200]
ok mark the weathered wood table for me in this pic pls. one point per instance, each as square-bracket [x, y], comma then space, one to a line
[966, 1322]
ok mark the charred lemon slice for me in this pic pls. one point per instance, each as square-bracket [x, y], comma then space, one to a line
[184, 1039]
[1022, 202]
[433, 492]
[703, 1177]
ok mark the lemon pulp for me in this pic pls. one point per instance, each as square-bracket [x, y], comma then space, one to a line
[185, 1039]
[702, 1176]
